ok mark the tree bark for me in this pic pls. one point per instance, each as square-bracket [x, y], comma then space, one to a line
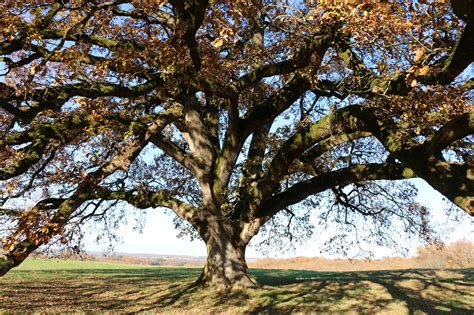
[226, 268]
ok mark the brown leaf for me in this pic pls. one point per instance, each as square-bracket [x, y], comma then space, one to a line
[419, 54]
[424, 70]
[218, 42]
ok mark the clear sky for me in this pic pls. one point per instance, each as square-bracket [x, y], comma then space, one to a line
[159, 235]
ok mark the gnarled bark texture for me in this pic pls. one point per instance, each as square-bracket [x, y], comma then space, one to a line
[225, 267]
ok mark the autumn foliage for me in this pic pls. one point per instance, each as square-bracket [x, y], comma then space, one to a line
[240, 117]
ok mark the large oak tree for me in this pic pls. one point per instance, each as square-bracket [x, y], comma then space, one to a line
[229, 113]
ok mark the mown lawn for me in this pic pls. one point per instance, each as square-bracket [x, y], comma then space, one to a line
[63, 286]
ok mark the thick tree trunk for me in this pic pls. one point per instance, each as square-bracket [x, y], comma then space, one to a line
[226, 268]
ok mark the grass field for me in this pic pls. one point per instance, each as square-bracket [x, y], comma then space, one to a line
[64, 286]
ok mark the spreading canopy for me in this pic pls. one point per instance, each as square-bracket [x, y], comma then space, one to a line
[228, 113]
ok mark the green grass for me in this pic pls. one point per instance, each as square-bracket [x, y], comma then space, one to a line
[62, 264]
[63, 286]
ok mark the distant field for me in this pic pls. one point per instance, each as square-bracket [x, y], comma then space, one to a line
[60, 286]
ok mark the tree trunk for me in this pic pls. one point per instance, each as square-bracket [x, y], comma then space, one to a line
[226, 268]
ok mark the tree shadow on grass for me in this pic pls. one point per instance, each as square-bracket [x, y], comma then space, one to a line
[283, 291]
[363, 292]
[174, 294]
[88, 289]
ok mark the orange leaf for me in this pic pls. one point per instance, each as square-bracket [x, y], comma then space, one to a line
[218, 42]
[424, 70]
[419, 54]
